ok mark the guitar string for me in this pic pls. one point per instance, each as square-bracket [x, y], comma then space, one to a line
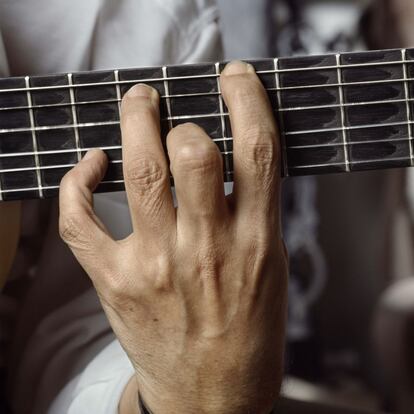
[216, 93]
[215, 115]
[204, 76]
[75, 149]
[221, 139]
[301, 167]
[297, 108]
[287, 109]
[223, 153]
[189, 117]
[216, 140]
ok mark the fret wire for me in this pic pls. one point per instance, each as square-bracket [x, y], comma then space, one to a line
[74, 116]
[34, 137]
[343, 119]
[118, 92]
[65, 151]
[151, 80]
[407, 96]
[222, 120]
[167, 92]
[285, 171]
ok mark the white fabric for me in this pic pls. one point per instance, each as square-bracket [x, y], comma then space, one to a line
[99, 388]
[43, 37]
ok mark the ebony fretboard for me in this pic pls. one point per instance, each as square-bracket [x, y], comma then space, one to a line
[337, 113]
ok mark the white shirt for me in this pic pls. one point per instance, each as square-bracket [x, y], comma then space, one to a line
[43, 36]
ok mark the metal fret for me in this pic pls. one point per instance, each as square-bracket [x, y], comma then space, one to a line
[285, 166]
[34, 138]
[343, 119]
[407, 97]
[167, 92]
[74, 117]
[118, 91]
[308, 110]
[223, 121]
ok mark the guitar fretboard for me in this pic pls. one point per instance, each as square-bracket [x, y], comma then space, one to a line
[337, 113]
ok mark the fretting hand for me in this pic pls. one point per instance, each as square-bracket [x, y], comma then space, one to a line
[196, 295]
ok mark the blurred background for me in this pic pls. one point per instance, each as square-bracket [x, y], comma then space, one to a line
[351, 319]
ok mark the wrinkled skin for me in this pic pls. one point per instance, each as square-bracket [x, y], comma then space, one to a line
[197, 294]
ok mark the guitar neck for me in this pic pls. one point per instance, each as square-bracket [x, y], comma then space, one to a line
[337, 113]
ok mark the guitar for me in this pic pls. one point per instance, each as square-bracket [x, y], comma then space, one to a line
[337, 113]
[9, 235]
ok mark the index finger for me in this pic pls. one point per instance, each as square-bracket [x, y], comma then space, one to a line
[256, 150]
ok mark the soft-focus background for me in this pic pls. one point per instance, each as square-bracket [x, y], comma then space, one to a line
[351, 322]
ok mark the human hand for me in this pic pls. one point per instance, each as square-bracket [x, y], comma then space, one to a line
[9, 236]
[196, 295]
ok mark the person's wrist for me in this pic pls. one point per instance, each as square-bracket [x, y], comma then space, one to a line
[191, 401]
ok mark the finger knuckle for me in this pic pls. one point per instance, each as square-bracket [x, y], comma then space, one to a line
[259, 149]
[145, 174]
[161, 274]
[198, 157]
[70, 230]
[68, 181]
[117, 288]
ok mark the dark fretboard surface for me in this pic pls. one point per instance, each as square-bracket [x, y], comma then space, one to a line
[337, 113]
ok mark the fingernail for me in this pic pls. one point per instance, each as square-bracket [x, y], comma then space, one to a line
[238, 68]
[143, 91]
